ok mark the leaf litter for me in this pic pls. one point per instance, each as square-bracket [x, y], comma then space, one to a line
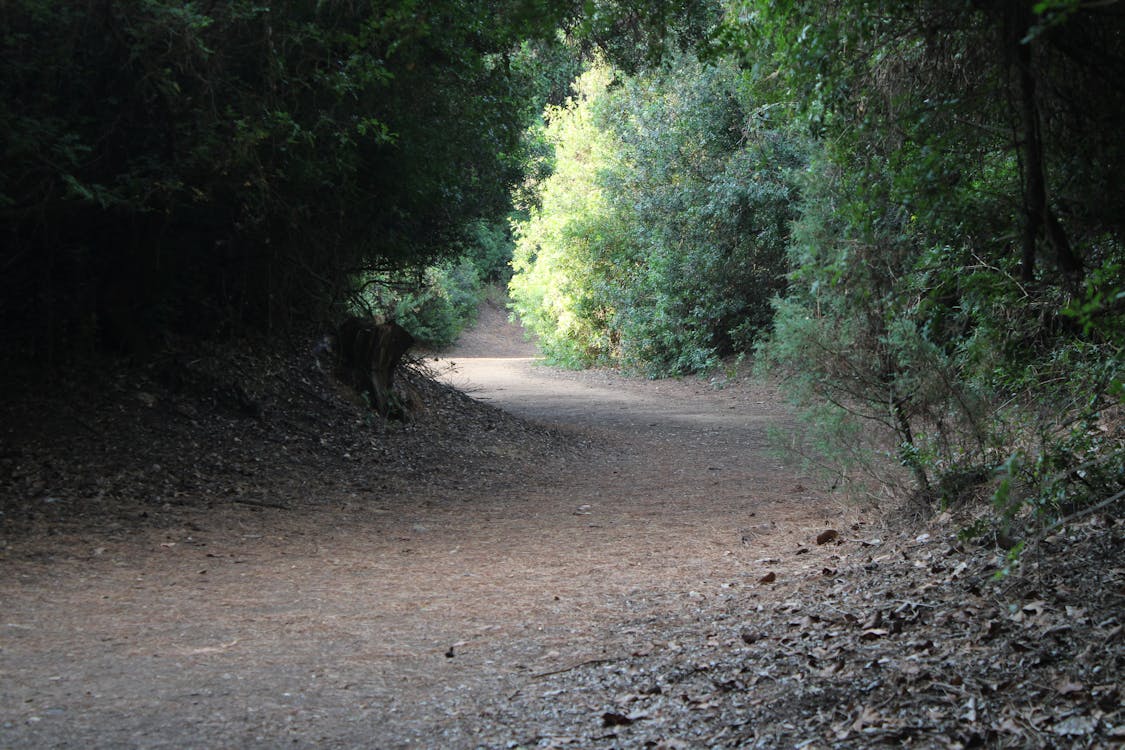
[920, 645]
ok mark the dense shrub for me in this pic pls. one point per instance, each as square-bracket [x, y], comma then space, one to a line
[434, 304]
[957, 265]
[660, 236]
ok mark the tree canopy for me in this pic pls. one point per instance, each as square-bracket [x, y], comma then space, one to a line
[200, 167]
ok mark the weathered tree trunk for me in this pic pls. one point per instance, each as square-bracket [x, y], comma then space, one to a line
[1038, 216]
[368, 354]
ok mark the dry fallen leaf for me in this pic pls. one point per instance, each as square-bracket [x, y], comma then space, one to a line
[991, 629]
[1067, 687]
[1075, 726]
[613, 719]
[868, 717]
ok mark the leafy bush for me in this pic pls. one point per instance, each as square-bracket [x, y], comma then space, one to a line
[660, 236]
[434, 306]
[556, 284]
[938, 289]
[489, 250]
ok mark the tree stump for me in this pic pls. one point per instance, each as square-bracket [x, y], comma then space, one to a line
[368, 353]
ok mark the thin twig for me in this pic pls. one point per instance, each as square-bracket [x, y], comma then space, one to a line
[260, 504]
[579, 665]
[1077, 516]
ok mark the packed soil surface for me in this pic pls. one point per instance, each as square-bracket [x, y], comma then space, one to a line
[226, 549]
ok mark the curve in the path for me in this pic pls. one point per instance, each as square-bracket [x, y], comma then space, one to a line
[405, 621]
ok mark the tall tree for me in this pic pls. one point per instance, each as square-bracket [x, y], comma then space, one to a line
[964, 215]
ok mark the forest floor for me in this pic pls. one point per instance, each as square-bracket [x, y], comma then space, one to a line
[225, 550]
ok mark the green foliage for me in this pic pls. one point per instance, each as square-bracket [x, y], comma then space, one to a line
[195, 167]
[434, 305]
[637, 36]
[706, 197]
[956, 269]
[553, 288]
[488, 249]
[438, 302]
[660, 235]
[438, 313]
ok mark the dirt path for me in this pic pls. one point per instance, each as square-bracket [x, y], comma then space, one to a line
[411, 618]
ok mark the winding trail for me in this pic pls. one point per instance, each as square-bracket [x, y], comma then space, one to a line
[410, 622]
